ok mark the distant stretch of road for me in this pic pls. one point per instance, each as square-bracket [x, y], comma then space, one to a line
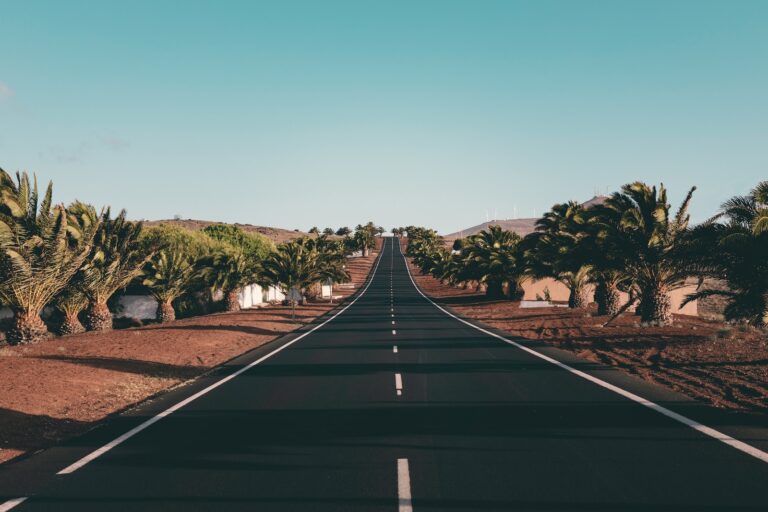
[393, 404]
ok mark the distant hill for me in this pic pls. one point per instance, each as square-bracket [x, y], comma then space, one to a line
[277, 235]
[520, 226]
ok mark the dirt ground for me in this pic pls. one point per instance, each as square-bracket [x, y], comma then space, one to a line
[64, 386]
[718, 363]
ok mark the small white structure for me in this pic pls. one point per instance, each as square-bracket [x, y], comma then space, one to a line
[272, 294]
[140, 307]
[250, 296]
[540, 304]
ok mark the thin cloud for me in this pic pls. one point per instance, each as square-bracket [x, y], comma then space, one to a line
[115, 143]
[5, 91]
[80, 152]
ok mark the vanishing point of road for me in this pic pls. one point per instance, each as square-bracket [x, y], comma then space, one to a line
[391, 403]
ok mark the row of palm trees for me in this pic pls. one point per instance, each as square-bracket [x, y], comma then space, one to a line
[632, 242]
[76, 259]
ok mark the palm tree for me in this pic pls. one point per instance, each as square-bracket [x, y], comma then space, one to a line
[169, 274]
[343, 231]
[70, 302]
[298, 264]
[606, 265]
[229, 270]
[294, 266]
[740, 235]
[40, 252]
[328, 232]
[556, 250]
[491, 258]
[649, 243]
[115, 260]
[365, 237]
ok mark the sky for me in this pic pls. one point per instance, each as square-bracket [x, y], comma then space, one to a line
[438, 113]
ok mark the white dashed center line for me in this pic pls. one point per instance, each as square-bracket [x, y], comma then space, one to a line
[398, 384]
[394, 349]
[404, 486]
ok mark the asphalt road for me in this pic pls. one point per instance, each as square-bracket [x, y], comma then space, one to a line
[396, 405]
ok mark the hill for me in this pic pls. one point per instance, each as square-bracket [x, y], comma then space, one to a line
[520, 226]
[277, 235]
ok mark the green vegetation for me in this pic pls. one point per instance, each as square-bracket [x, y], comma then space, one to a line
[300, 265]
[733, 247]
[42, 248]
[633, 242]
[76, 259]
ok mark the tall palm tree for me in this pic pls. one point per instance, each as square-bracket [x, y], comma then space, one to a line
[606, 265]
[168, 275]
[365, 237]
[636, 225]
[229, 270]
[739, 233]
[40, 252]
[556, 250]
[115, 260]
[491, 258]
[296, 265]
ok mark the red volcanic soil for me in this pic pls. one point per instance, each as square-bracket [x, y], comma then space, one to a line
[63, 386]
[718, 363]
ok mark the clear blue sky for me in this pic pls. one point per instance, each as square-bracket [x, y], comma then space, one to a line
[295, 114]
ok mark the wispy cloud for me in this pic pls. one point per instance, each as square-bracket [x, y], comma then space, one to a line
[80, 152]
[5, 91]
[114, 142]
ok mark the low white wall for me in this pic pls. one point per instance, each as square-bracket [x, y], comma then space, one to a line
[273, 294]
[250, 295]
[140, 307]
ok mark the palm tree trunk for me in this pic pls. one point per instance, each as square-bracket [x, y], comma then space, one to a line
[365, 252]
[165, 312]
[494, 289]
[607, 298]
[232, 301]
[514, 292]
[655, 307]
[98, 317]
[577, 299]
[28, 327]
[71, 325]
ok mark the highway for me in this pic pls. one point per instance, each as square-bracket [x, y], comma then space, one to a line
[393, 404]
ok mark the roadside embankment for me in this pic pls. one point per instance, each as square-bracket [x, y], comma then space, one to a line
[715, 362]
[64, 386]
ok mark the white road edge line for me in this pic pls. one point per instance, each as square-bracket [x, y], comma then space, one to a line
[399, 384]
[404, 486]
[115, 442]
[708, 431]
[8, 505]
